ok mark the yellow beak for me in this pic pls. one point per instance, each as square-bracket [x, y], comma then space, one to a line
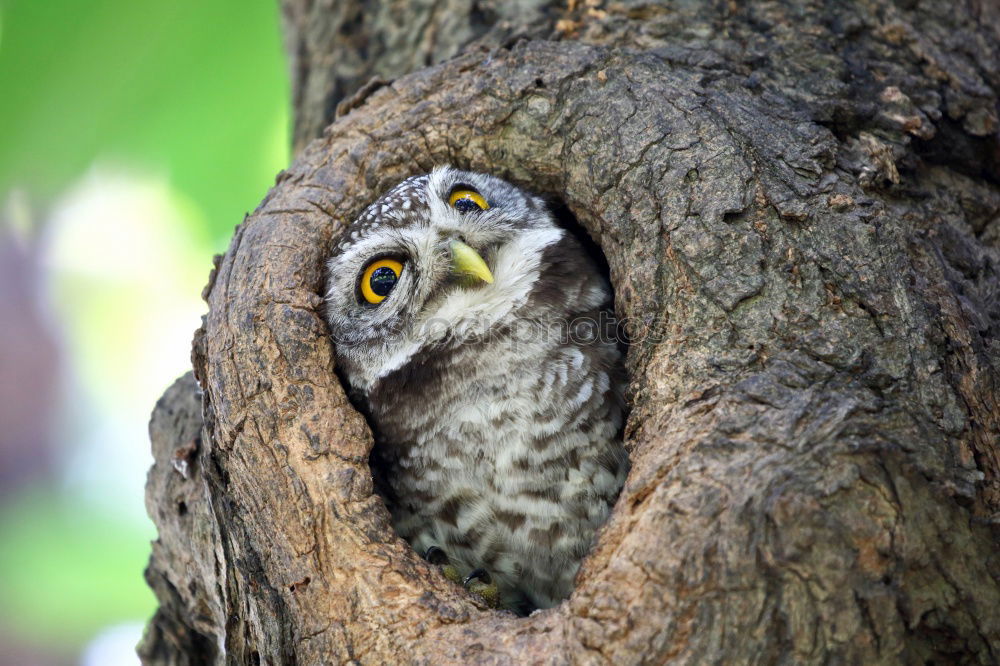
[466, 262]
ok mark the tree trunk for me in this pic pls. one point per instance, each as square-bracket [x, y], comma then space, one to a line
[799, 205]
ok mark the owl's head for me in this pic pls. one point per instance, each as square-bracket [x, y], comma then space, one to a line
[438, 259]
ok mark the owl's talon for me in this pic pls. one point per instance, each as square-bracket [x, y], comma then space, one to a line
[481, 575]
[435, 555]
[440, 559]
[481, 584]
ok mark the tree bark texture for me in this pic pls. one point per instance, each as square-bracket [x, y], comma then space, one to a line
[800, 209]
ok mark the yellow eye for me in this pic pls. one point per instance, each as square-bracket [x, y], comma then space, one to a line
[378, 279]
[465, 201]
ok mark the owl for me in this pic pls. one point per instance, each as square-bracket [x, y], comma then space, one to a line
[476, 335]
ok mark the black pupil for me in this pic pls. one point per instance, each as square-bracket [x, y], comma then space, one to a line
[466, 205]
[382, 281]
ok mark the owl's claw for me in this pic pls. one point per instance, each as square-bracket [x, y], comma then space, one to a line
[435, 555]
[481, 574]
[480, 583]
[438, 557]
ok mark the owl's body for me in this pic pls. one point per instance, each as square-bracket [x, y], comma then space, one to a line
[495, 393]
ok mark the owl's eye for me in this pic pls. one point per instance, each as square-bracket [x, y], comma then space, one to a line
[467, 201]
[378, 279]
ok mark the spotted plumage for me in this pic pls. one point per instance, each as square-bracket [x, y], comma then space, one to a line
[490, 374]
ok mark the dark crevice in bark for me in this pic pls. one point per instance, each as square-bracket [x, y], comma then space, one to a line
[977, 157]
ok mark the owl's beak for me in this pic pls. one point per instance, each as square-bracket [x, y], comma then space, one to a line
[468, 263]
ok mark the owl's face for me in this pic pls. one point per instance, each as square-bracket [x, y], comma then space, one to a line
[440, 258]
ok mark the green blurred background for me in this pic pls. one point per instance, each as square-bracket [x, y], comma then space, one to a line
[135, 135]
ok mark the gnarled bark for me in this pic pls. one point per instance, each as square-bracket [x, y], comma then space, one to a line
[799, 206]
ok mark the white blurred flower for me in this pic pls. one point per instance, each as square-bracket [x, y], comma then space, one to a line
[126, 272]
[114, 646]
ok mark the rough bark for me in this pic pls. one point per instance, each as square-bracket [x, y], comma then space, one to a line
[337, 48]
[799, 206]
